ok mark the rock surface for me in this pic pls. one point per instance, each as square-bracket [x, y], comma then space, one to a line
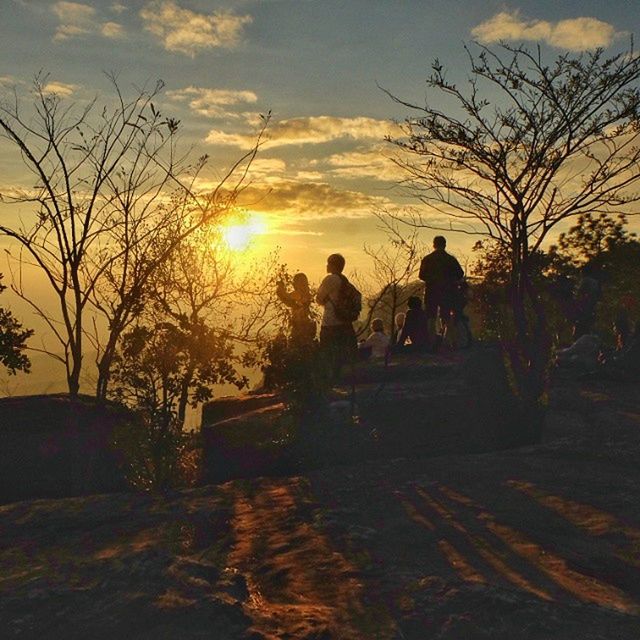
[540, 542]
[416, 406]
[55, 447]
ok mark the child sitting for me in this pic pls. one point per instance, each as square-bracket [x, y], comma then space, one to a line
[377, 344]
[415, 326]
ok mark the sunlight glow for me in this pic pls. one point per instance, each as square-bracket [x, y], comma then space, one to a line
[239, 235]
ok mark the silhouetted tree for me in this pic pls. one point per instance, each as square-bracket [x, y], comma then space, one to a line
[392, 279]
[523, 147]
[109, 183]
[13, 341]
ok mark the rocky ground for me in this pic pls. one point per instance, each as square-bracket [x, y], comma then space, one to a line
[541, 542]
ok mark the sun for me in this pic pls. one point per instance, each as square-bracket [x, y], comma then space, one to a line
[238, 235]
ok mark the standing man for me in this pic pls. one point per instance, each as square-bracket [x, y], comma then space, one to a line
[441, 274]
[337, 337]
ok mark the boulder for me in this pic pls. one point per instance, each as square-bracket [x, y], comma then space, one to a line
[417, 405]
[53, 446]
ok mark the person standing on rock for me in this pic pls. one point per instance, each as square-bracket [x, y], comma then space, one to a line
[303, 327]
[441, 274]
[342, 303]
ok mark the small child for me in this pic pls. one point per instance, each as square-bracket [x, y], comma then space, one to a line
[377, 342]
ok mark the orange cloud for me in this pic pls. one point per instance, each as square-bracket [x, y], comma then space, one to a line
[576, 34]
[308, 199]
[213, 103]
[61, 89]
[309, 130]
[371, 163]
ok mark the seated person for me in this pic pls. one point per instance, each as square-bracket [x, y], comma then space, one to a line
[583, 353]
[377, 344]
[414, 329]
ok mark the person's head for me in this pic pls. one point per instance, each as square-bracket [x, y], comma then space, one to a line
[399, 320]
[377, 325]
[300, 283]
[414, 303]
[439, 242]
[335, 263]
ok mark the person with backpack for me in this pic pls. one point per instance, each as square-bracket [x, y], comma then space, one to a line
[342, 304]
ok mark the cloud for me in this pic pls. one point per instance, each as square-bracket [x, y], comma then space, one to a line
[61, 89]
[8, 81]
[310, 176]
[211, 102]
[576, 34]
[309, 199]
[77, 20]
[112, 30]
[309, 130]
[370, 163]
[188, 32]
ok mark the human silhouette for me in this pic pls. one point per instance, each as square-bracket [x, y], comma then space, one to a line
[303, 327]
[337, 337]
[414, 330]
[441, 274]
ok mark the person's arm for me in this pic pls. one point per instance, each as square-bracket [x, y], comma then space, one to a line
[324, 289]
[457, 272]
[423, 269]
[284, 296]
[402, 338]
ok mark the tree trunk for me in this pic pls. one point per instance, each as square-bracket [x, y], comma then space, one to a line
[529, 354]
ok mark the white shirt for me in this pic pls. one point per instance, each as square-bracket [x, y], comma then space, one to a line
[379, 343]
[327, 295]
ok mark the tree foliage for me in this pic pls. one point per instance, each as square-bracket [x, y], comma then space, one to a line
[13, 339]
[109, 184]
[526, 146]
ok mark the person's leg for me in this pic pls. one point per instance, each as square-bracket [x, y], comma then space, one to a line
[449, 322]
[431, 311]
[346, 347]
[328, 348]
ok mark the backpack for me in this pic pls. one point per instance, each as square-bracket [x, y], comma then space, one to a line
[348, 303]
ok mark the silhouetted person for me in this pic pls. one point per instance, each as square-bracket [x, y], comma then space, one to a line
[399, 322]
[414, 328]
[441, 274]
[337, 337]
[582, 354]
[377, 343]
[303, 328]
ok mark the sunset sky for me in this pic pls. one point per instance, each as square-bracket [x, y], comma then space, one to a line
[318, 65]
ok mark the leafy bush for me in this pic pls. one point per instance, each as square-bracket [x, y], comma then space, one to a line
[300, 373]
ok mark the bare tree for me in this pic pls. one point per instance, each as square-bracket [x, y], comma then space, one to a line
[526, 146]
[204, 289]
[393, 273]
[108, 183]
